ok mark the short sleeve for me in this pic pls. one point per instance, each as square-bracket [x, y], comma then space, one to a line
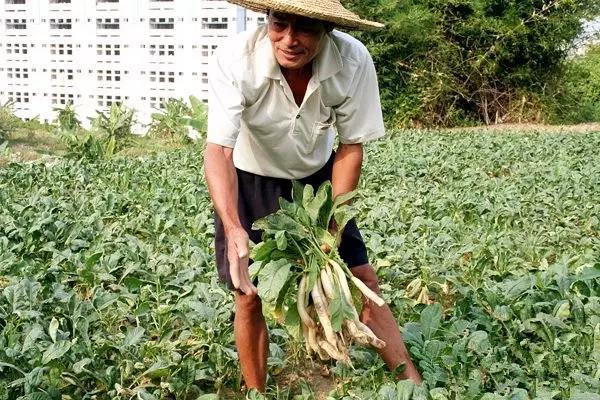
[225, 103]
[359, 117]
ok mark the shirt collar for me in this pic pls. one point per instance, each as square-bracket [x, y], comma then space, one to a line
[327, 63]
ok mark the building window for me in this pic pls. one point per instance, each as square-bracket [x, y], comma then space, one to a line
[108, 75]
[14, 2]
[17, 73]
[107, 23]
[62, 98]
[60, 23]
[108, 49]
[16, 24]
[60, 1]
[162, 23]
[214, 23]
[65, 73]
[106, 1]
[18, 97]
[162, 49]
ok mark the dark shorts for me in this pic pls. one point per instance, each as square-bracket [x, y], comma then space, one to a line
[258, 196]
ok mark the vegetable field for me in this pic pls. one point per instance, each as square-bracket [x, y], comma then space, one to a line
[487, 246]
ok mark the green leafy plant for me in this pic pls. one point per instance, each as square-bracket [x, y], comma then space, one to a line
[8, 121]
[291, 251]
[116, 124]
[110, 133]
[172, 121]
[67, 118]
[108, 285]
[462, 62]
[198, 116]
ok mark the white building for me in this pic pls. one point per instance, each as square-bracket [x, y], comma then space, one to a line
[96, 52]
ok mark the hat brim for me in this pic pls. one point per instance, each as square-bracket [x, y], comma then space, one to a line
[339, 16]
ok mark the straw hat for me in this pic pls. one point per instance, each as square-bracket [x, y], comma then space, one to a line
[325, 10]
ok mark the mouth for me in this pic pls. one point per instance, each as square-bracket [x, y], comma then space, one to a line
[290, 54]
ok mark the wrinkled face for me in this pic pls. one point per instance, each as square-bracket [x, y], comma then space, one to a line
[295, 40]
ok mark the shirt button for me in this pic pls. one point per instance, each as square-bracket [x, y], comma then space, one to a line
[298, 116]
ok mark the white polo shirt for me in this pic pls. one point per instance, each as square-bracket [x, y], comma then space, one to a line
[251, 107]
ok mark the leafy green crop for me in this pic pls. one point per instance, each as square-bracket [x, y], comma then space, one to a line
[108, 288]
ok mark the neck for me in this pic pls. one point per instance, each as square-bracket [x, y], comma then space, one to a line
[301, 73]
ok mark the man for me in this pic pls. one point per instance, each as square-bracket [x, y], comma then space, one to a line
[278, 95]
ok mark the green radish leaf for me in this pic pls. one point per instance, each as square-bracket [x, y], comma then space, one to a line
[34, 334]
[339, 309]
[404, 389]
[297, 192]
[254, 269]
[55, 350]
[324, 237]
[263, 250]
[281, 240]
[308, 195]
[287, 207]
[343, 215]
[272, 278]
[133, 336]
[283, 293]
[279, 221]
[326, 209]
[303, 217]
[80, 365]
[292, 318]
[431, 318]
[343, 198]
[313, 208]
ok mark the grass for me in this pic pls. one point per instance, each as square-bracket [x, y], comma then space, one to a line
[25, 145]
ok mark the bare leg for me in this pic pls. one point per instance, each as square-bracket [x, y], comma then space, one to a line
[383, 324]
[251, 339]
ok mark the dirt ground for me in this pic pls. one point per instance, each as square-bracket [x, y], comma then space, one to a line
[530, 128]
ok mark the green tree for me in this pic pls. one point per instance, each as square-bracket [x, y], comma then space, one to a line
[447, 62]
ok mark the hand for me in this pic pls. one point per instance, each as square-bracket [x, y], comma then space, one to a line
[237, 254]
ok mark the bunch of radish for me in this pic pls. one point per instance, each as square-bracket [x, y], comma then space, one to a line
[299, 254]
[318, 333]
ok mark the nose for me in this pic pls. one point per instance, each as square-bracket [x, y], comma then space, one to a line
[290, 37]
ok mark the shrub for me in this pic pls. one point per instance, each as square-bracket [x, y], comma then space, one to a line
[171, 121]
[448, 62]
[110, 133]
[576, 98]
[8, 121]
[67, 118]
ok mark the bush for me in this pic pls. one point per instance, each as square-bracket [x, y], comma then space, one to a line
[449, 62]
[576, 98]
[8, 121]
[171, 121]
[110, 133]
[67, 118]
[198, 116]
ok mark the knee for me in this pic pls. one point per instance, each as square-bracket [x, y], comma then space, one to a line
[247, 303]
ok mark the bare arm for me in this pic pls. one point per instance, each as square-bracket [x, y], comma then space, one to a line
[346, 168]
[221, 178]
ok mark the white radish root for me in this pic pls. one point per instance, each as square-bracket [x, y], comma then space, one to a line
[327, 285]
[333, 352]
[371, 295]
[321, 309]
[374, 340]
[301, 301]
